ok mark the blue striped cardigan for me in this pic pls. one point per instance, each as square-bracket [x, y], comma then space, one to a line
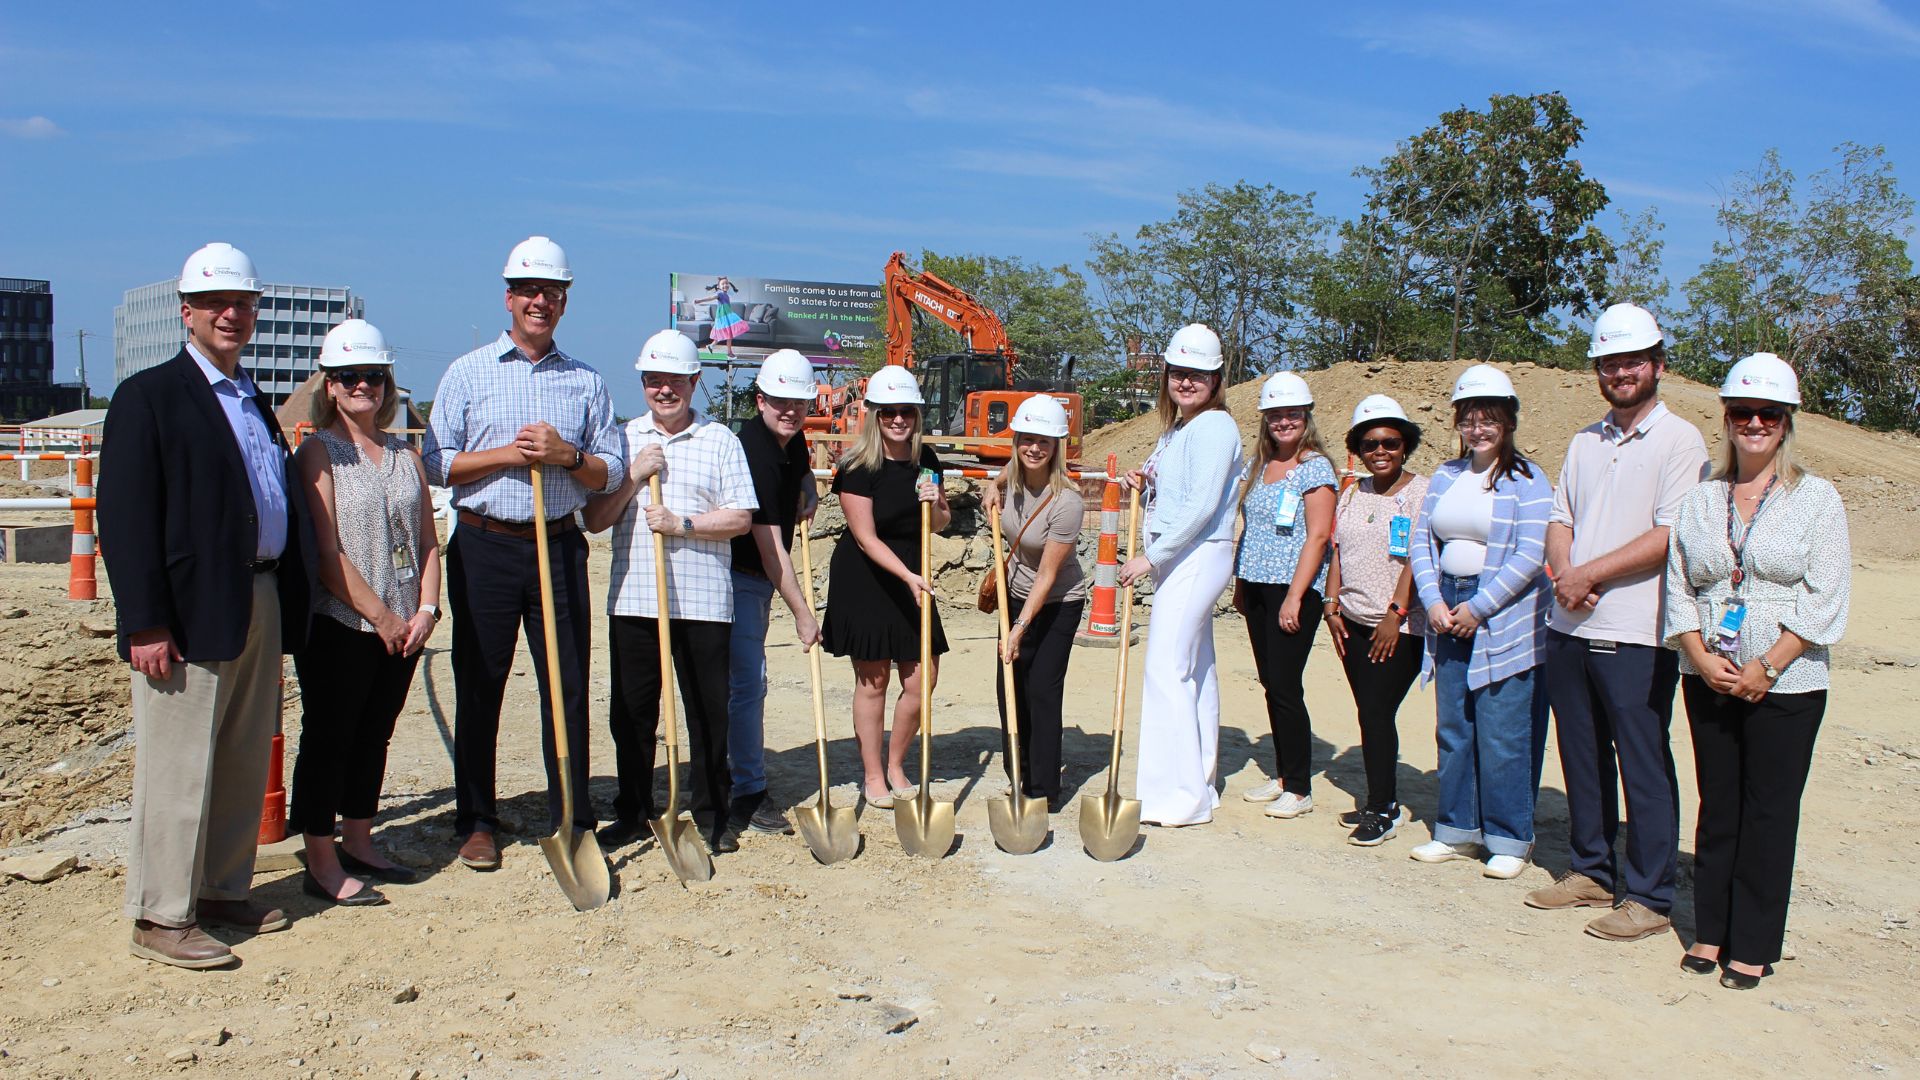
[1515, 596]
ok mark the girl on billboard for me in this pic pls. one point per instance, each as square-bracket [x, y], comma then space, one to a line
[726, 324]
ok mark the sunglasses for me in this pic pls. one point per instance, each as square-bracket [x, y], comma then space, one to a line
[216, 305]
[895, 412]
[1770, 415]
[1188, 375]
[1389, 444]
[351, 377]
[527, 290]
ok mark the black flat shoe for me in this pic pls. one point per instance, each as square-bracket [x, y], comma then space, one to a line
[1740, 980]
[390, 875]
[368, 896]
[1698, 965]
[618, 834]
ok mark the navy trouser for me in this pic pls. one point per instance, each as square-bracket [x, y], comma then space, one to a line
[1614, 708]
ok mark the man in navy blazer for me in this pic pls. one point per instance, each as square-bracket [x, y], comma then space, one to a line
[200, 529]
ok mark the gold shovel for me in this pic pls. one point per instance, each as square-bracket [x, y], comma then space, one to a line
[679, 841]
[832, 833]
[1019, 821]
[573, 854]
[925, 826]
[1109, 824]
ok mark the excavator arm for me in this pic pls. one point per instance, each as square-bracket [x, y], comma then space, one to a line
[908, 290]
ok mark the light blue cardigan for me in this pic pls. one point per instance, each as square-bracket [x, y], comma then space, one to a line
[1195, 480]
[1515, 595]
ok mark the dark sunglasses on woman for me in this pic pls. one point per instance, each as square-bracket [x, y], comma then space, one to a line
[1770, 415]
[894, 412]
[1389, 444]
[351, 377]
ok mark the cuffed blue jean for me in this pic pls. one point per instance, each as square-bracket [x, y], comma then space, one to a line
[1490, 741]
[747, 684]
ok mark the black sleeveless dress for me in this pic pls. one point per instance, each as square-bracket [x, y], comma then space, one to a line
[871, 615]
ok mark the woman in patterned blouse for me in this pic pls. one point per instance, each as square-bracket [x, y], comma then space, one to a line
[1758, 575]
[1280, 578]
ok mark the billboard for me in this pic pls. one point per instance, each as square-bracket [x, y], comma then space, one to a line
[749, 317]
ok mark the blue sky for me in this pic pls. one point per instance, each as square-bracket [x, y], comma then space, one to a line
[403, 148]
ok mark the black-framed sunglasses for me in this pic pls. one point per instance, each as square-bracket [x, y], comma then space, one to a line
[352, 377]
[895, 412]
[1390, 444]
[1770, 415]
[527, 290]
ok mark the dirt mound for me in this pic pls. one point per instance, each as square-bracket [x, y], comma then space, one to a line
[1878, 474]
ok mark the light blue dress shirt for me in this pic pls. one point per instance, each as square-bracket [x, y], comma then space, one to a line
[266, 462]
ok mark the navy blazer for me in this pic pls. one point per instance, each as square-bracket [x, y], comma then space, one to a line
[177, 521]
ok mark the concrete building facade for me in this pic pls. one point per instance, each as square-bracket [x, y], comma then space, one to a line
[294, 319]
[27, 389]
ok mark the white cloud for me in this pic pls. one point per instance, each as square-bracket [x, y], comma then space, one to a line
[33, 127]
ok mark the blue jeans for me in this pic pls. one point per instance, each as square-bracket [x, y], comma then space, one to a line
[747, 684]
[1490, 743]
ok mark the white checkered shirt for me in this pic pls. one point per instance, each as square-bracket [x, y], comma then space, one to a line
[706, 470]
[488, 395]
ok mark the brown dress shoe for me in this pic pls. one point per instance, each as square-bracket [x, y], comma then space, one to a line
[181, 946]
[479, 852]
[1572, 891]
[243, 915]
[1630, 921]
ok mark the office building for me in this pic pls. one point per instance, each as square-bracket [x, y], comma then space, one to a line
[286, 340]
[27, 389]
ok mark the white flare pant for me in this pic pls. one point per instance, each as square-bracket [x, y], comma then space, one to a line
[1180, 698]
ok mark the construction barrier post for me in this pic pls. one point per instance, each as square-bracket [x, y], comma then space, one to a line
[82, 583]
[1103, 616]
[273, 812]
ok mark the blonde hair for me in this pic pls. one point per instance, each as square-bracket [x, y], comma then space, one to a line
[1269, 451]
[323, 412]
[1170, 412]
[1784, 464]
[1057, 479]
[870, 446]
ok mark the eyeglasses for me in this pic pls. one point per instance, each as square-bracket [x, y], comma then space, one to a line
[352, 377]
[1622, 365]
[896, 412]
[1390, 444]
[527, 290]
[1468, 427]
[1187, 375]
[1290, 418]
[1769, 415]
[213, 303]
[786, 404]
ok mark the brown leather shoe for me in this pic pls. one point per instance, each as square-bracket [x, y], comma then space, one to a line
[1572, 891]
[1630, 921]
[243, 915]
[479, 852]
[181, 946]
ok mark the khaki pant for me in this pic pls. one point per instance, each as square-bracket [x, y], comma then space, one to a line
[201, 741]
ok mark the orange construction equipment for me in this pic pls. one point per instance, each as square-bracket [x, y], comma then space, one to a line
[1103, 617]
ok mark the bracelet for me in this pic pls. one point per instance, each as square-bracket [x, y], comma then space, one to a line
[1397, 610]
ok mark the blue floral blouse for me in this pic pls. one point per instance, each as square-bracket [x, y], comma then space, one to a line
[1269, 552]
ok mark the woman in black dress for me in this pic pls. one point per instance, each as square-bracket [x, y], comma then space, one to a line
[874, 588]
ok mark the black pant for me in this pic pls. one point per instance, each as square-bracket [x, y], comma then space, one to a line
[1280, 659]
[493, 588]
[1378, 689]
[1039, 686]
[1751, 759]
[701, 652]
[1616, 707]
[351, 692]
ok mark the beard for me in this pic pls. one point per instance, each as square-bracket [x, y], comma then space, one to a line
[1631, 398]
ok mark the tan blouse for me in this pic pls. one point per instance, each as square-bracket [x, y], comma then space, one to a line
[1361, 524]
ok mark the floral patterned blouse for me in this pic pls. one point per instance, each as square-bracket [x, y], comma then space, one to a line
[1270, 552]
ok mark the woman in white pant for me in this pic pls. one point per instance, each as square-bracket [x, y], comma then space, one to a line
[1190, 483]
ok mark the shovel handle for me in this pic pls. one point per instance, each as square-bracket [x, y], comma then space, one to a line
[563, 756]
[813, 659]
[1126, 640]
[926, 646]
[670, 712]
[1006, 667]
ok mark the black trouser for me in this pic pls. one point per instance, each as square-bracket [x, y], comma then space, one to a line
[1751, 759]
[1280, 659]
[1617, 706]
[351, 692]
[700, 664]
[1378, 690]
[493, 588]
[1039, 686]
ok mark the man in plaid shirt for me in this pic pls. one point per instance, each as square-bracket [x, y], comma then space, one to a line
[706, 499]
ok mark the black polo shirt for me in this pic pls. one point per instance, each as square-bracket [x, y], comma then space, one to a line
[778, 476]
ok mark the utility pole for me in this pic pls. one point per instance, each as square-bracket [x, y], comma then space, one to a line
[86, 399]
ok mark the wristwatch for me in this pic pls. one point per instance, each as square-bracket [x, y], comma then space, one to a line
[579, 459]
[432, 609]
[1766, 665]
[686, 525]
[1397, 610]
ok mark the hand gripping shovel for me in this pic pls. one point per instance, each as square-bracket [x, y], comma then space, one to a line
[832, 833]
[679, 840]
[925, 826]
[573, 854]
[1109, 824]
[1019, 821]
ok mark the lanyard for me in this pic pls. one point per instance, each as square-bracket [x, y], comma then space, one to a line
[1739, 546]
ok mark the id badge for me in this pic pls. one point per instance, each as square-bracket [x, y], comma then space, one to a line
[1288, 510]
[1399, 535]
[403, 564]
[1726, 636]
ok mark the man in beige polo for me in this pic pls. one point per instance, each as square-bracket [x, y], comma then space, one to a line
[1610, 679]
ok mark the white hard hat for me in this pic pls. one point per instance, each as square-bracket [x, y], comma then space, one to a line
[1283, 389]
[539, 258]
[671, 352]
[1194, 346]
[1040, 415]
[786, 374]
[893, 385]
[1764, 376]
[1377, 409]
[219, 268]
[1484, 380]
[353, 343]
[1623, 328]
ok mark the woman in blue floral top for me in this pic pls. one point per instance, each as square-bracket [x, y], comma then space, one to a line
[1280, 577]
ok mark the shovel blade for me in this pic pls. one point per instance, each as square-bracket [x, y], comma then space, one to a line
[925, 826]
[578, 865]
[831, 832]
[1109, 825]
[1019, 823]
[686, 853]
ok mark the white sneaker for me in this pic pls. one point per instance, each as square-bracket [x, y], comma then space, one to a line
[1289, 805]
[1266, 792]
[1439, 851]
[1505, 867]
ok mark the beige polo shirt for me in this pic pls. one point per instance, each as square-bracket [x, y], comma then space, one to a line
[1614, 486]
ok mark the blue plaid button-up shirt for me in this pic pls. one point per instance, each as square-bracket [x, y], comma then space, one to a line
[488, 395]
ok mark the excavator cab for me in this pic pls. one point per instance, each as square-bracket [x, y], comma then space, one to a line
[947, 380]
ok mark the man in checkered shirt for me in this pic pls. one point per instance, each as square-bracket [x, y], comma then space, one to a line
[706, 499]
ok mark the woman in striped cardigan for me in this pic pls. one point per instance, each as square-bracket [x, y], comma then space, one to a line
[1479, 549]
